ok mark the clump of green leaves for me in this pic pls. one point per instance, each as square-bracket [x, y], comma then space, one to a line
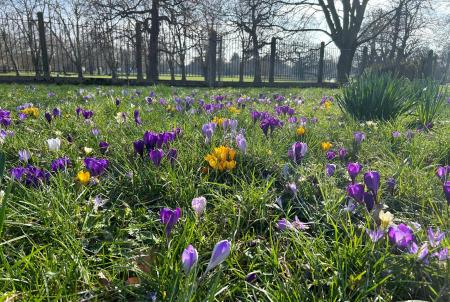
[375, 96]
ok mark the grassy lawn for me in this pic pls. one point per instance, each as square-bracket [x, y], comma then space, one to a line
[103, 240]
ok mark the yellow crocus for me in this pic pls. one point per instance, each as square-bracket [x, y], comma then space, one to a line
[326, 146]
[301, 130]
[83, 177]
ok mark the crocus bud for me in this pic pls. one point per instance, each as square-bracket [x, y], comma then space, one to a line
[220, 252]
[54, 144]
[199, 204]
[189, 258]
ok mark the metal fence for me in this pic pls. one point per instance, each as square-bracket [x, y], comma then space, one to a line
[108, 50]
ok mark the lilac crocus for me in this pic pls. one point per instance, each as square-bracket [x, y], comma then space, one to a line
[297, 151]
[96, 166]
[396, 134]
[95, 132]
[359, 137]
[375, 235]
[442, 255]
[139, 147]
[169, 218]
[241, 142]
[60, 164]
[220, 253]
[435, 238]
[442, 172]
[330, 154]
[353, 170]
[330, 169]
[189, 258]
[208, 131]
[24, 155]
[156, 156]
[199, 205]
[401, 235]
[372, 181]
[356, 191]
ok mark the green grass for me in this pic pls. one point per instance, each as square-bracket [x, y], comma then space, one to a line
[56, 246]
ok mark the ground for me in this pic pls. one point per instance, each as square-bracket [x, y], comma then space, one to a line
[104, 240]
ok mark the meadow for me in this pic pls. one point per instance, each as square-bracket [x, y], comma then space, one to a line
[173, 194]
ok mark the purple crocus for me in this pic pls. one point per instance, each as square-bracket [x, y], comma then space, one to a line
[208, 131]
[48, 117]
[356, 191]
[87, 114]
[401, 235]
[297, 151]
[60, 164]
[330, 154]
[137, 118]
[56, 112]
[442, 172]
[435, 238]
[189, 258]
[5, 118]
[342, 153]
[330, 169]
[220, 253]
[359, 136]
[96, 166]
[353, 170]
[446, 188]
[103, 147]
[30, 175]
[372, 181]
[150, 139]
[442, 255]
[369, 200]
[172, 155]
[139, 147]
[169, 218]
[156, 155]
[391, 183]
[396, 134]
[375, 235]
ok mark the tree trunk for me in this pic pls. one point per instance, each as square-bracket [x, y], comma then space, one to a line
[183, 66]
[257, 60]
[152, 72]
[344, 65]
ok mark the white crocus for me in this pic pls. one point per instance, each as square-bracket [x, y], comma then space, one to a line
[54, 144]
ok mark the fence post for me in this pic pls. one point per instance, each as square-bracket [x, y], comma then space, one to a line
[273, 49]
[428, 66]
[321, 55]
[140, 76]
[43, 44]
[364, 58]
[212, 58]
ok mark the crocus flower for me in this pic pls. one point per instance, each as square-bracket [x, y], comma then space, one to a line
[386, 219]
[342, 153]
[442, 255]
[391, 183]
[330, 155]
[60, 164]
[296, 225]
[241, 142]
[24, 155]
[292, 187]
[208, 131]
[251, 277]
[375, 235]
[372, 181]
[369, 200]
[199, 205]
[359, 136]
[95, 132]
[87, 114]
[48, 117]
[396, 134]
[54, 144]
[220, 253]
[325, 146]
[83, 177]
[297, 151]
[137, 118]
[446, 188]
[103, 147]
[169, 218]
[5, 118]
[56, 112]
[435, 238]
[96, 166]
[172, 155]
[356, 191]
[139, 147]
[353, 170]
[117, 102]
[401, 235]
[330, 169]
[30, 175]
[189, 258]
[156, 156]
[442, 172]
